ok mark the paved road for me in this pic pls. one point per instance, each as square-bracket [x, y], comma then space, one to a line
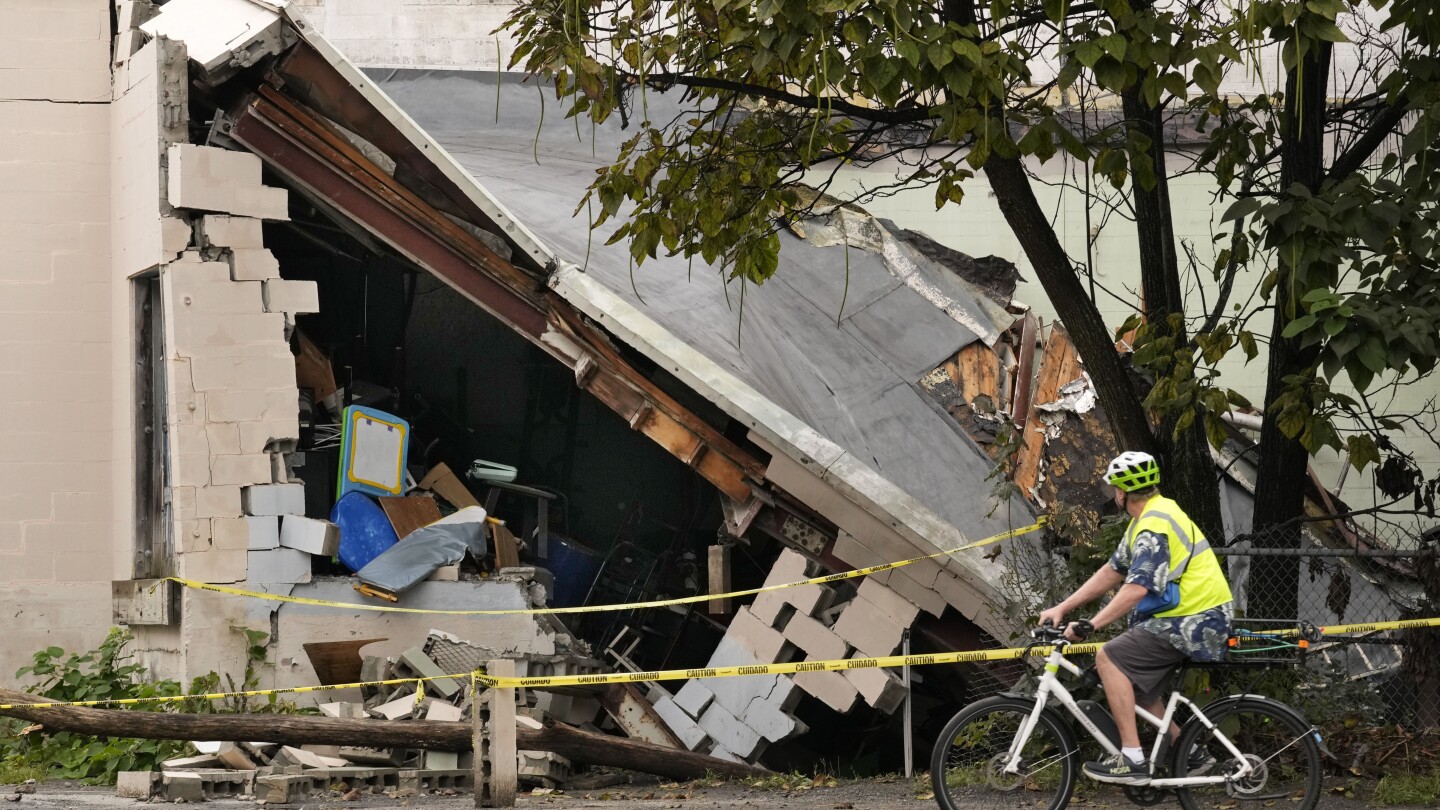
[897, 794]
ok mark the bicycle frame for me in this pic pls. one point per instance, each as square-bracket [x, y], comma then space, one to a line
[1050, 685]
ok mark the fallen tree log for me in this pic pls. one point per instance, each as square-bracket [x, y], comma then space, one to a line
[558, 738]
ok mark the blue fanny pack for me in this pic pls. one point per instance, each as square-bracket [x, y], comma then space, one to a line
[1153, 603]
[1167, 598]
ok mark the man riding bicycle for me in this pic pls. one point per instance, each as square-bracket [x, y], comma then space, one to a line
[1179, 604]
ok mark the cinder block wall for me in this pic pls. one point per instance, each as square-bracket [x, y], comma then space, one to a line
[58, 309]
[443, 34]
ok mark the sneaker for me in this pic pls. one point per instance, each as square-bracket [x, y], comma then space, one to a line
[1199, 762]
[1119, 771]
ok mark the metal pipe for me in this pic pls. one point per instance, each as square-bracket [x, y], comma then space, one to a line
[1322, 552]
[1246, 421]
[909, 717]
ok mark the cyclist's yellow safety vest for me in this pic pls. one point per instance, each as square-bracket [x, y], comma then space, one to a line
[1192, 563]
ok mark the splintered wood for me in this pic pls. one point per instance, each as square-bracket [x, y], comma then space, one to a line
[1060, 365]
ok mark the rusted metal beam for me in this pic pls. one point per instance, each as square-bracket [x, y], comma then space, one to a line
[309, 78]
[309, 152]
[284, 150]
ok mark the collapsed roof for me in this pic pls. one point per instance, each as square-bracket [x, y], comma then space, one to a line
[852, 439]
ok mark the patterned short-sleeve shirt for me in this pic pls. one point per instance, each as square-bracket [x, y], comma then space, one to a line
[1202, 635]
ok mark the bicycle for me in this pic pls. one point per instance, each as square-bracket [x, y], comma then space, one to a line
[1263, 750]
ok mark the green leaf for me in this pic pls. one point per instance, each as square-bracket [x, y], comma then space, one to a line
[1088, 53]
[1298, 325]
[940, 54]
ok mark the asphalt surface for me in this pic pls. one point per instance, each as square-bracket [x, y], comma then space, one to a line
[873, 794]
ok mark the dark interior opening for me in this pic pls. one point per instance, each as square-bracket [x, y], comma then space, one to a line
[634, 521]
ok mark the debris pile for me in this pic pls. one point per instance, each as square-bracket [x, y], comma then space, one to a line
[277, 774]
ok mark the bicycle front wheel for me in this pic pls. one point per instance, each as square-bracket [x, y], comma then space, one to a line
[967, 766]
[1277, 742]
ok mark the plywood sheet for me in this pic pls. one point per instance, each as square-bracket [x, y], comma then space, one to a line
[411, 512]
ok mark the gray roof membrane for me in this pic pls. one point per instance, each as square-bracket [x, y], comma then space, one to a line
[852, 381]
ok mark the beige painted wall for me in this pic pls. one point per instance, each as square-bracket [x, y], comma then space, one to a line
[58, 308]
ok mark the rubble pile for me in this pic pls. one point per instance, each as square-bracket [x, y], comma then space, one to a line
[737, 718]
[279, 774]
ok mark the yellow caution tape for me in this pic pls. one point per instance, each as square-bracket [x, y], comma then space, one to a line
[683, 600]
[884, 662]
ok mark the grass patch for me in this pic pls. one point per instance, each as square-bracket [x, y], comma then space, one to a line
[13, 773]
[1407, 788]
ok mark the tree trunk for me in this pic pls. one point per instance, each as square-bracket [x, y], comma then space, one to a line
[1057, 275]
[1280, 477]
[582, 746]
[1188, 472]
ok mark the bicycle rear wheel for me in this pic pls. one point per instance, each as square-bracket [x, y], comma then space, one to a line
[966, 766]
[1278, 743]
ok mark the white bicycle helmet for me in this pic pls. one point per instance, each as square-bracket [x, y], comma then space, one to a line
[1132, 471]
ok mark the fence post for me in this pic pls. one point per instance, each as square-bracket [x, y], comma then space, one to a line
[496, 756]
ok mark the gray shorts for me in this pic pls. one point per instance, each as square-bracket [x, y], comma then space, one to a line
[1146, 658]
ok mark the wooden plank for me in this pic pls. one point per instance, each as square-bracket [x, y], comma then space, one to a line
[337, 661]
[1060, 365]
[411, 512]
[719, 564]
[443, 482]
[313, 369]
[979, 372]
[507, 552]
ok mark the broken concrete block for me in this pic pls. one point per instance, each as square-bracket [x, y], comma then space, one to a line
[577, 711]
[328, 751]
[868, 628]
[214, 784]
[693, 697]
[817, 640]
[289, 755]
[221, 230]
[136, 784]
[234, 757]
[442, 760]
[282, 295]
[207, 178]
[398, 709]
[897, 607]
[182, 786]
[201, 761]
[767, 643]
[445, 573]
[880, 688]
[350, 711]
[848, 548]
[444, 712]
[736, 694]
[383, 757]
[273, 499]
[248, 264]
[288, 789]
[414, 781]
[418, 663]
[691, 735]
[729, 733]
[830, 687]
[771, 608]
[279, 566]
[320, 538]
[771, 722]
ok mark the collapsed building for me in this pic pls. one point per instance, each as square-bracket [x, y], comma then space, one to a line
[309, 252]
